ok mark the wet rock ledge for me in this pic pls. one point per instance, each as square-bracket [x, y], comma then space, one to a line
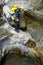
[18, 43]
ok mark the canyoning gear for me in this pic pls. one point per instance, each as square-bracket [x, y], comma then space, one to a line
[16, 6]
[12, 9]
[22, 7]
[16, 24]
[17, 17]
[17, 13]
[12, 17]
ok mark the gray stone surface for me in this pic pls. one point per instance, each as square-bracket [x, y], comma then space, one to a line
[36, 8]
[12, 41]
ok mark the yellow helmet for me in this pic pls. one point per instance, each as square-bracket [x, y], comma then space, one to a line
[22, 7]
[15, 6]
[12, 10]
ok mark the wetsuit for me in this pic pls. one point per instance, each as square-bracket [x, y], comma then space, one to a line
[17, 17]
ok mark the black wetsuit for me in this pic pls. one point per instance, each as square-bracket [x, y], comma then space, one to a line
[17, 18]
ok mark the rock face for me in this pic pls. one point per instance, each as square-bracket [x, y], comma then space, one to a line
[1, 9]
[16, 43]
[7, 33]
[35, 28]
[36, 8]
[36, 4]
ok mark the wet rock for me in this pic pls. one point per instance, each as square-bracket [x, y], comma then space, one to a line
[22, 50]
[18, 60]
[22, 21]
[36, 9]
[37, 34]
[3, 33]
[31, 44]
[35, 28]
[2, 21]
[33, 4]
[1, 9]
[12, 43]
[19, 38]
[39, 54]
[0, 55]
